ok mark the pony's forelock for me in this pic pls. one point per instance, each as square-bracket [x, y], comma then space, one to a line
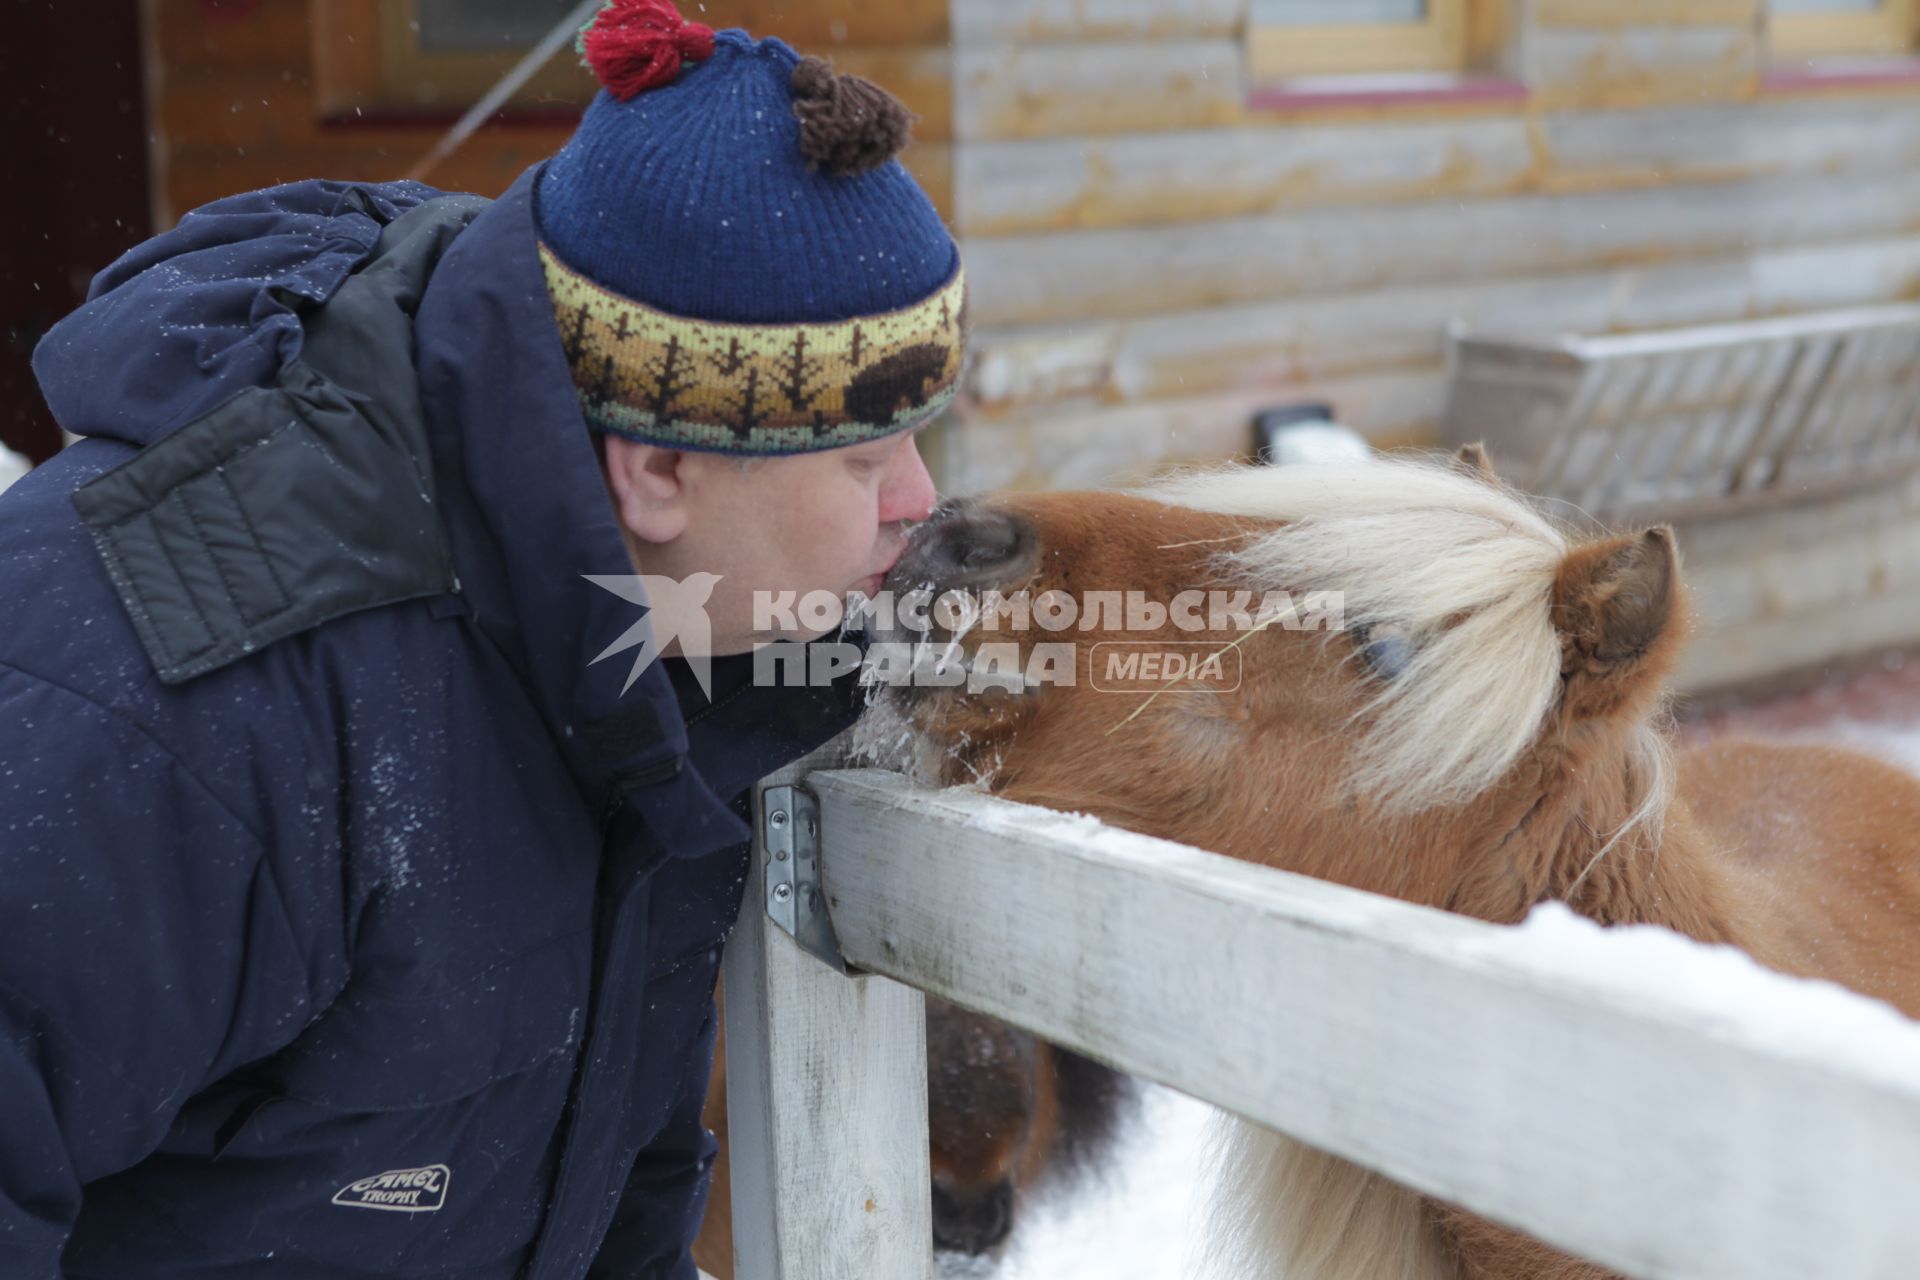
[1464, 566]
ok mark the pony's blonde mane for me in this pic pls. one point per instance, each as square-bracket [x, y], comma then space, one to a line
[1289, 1212]
[1466, 569]
[1462, 566]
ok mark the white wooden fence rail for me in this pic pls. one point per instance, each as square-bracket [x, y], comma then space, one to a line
[1660, 1136]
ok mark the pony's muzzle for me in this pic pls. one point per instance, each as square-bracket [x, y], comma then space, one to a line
[973, 1223]
[967, 545]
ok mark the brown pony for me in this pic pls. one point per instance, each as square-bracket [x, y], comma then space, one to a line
[1009, 1117]
[1485, 733]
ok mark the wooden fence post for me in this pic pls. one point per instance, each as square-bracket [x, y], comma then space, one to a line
[826, 1099]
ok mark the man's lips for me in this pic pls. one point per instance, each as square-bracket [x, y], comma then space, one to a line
[879, 579]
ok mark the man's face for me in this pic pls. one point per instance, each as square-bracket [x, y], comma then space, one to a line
[833, 521]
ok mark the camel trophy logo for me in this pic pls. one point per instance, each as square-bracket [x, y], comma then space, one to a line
[398, 1190]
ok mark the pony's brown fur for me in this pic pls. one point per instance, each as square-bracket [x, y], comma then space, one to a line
[1009, 1117]
[1803, 856]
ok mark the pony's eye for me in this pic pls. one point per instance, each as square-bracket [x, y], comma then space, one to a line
[1386, 647]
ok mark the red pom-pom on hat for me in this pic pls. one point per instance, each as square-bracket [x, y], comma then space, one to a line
[636, 45]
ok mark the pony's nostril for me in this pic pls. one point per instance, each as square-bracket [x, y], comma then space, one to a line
[972, 545]
[972, 1223]
[993, 1214]
[967, 547]
[980, 556]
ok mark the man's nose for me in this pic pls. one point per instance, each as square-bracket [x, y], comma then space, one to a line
[908, 493]
[967, 544]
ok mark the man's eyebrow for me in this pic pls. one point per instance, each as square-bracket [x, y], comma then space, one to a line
[880, 444]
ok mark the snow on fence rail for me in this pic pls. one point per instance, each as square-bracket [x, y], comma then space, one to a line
[1665, 1109]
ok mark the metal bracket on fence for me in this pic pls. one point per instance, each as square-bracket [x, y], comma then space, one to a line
[790, 833]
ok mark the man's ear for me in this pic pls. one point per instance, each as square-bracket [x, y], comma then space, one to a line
[648, 487]
[1617, 606]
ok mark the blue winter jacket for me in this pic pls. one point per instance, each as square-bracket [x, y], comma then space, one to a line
[352, 922]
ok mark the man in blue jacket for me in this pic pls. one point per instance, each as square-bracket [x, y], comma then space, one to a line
[355, 922]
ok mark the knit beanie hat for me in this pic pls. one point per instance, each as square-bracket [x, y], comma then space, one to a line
[737, 261]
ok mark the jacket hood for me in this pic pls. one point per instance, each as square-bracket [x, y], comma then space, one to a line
[183, 332]
[185, 321]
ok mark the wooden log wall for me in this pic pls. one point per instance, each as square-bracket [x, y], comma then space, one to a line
[236, 104]
[1157, 248]
[1801, 588]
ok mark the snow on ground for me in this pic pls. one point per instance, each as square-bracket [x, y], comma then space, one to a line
[1876, 711]
[1898, 743]
[1140, 1223]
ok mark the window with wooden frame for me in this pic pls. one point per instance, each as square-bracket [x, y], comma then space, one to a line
[1825, 28]
[1289, 38]
[427, 61]
[437, 56]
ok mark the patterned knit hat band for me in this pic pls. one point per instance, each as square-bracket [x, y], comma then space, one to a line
[758, 389]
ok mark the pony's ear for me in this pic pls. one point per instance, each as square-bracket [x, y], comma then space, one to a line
[1472, 460]
[1616, 605]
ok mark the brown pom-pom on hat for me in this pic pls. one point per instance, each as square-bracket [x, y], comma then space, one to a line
[848, 124]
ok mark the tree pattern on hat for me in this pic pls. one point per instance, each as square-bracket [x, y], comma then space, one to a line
[773, 388]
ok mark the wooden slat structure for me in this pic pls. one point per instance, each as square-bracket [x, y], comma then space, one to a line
[826, 1104]
[1662, 424]
[1785, 451]
[1666, 1128]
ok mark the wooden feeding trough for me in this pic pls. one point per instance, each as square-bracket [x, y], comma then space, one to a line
[1785, 450]
[1704, 419]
